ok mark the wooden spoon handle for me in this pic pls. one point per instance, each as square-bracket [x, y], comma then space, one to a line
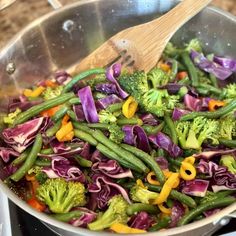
[179, 15]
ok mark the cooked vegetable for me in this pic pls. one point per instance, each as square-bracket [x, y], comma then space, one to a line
[10, 118]
[229, 161]
[116, 213]
[52, 92]
[61, 196]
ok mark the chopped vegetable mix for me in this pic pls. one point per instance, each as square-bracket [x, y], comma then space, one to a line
[127, 152]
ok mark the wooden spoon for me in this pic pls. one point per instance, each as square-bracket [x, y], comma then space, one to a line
[141, 46]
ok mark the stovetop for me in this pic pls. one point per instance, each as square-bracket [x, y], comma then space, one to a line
[23, 224]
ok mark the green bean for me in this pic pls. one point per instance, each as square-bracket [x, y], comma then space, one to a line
[41, 162]
[47, 151]
[169, 203]
[82, 161]
[219, 202]
[74, 101]
[175, 195]
[228, 143]
[205, 89]
[191, 68]
[119, 150]
[30, 160]
[131, 121]
[184, 81]
[66, 217]
[52, 131]
[35, 110]
[153, 129]
[162, 223]
[211, 115]
[128, 185]
[200, 217]
[146, 159]
[81, 76]
[60, 113]
[72, 115]
[170, 124]
[115, 107]
[214, 81]
[174, 161]
[85, 137]
[83, 127]
[21, 158]
[113, 156]
[174, 69]
[98, 126]
[138, 207]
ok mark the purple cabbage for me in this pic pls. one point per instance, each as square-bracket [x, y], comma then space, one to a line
[163, 141]
[111, 74]
[23, 135]
[86, 151]
[112, 169]
[192, 103]
[172, 88]
[219, 175]
[59, 147]
[61, 167]
[178, 113]
[7, 153]
[107, 88]
[135, 135]
[78, 110]
[7, 171]
[62, 77]
[210, 154]
[177, 212]
[227, 63]
[22, 103]
[98, 156]
[88, 105]
[103, 189]
[103, 103]
[149, 119]
[211, 212]
[196, 187]
[141, 221]
[206, 65]
[162, 162]
[82, 221]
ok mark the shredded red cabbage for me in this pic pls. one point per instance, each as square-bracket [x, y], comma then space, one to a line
[23, 135]
[88, 105]
[103, 103]
[112, 169]
[107, 88]
[210, 154]
[78, 110]
[136, 136]
[141, 221]
[227, 63]
[196, 187]
[163, 141]
[112, 73]
[7, 153]
[192, 103]
[177, 212]
[149, 119]
[178, 113]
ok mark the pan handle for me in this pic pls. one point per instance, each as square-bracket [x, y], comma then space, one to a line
[56, 4]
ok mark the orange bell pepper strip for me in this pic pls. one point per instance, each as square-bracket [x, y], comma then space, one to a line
[50, 83]
[65, 120]
[214, 104]
[50, 112]
[181, 75]
[33, 202]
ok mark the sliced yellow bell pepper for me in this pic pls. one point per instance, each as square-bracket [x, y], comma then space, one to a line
[187, 169]
[139, 182]
[167, 187]
[65, 133]
[124, 229]
[164, 210]
[33, 93]
[129, 107]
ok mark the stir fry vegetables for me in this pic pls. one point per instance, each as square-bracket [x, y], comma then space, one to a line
[127, 152]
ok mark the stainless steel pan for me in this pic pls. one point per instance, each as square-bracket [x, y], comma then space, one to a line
[60, 39]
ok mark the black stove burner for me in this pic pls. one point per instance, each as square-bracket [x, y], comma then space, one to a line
[23, 224]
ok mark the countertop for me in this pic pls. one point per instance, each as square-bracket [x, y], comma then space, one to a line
[21, 13]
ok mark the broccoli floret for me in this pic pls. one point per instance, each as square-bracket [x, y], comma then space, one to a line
[192, 134]
[116, 133]
[50, 93]
[157, 77]
[10, 118]
[171, 50]
[227, 127]
[116, 213]
[141, 194]
[60, 195]
[158, 101]
[230, 91]
[106, 117]
[229, 162]
[135, 84]
[195, 45]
